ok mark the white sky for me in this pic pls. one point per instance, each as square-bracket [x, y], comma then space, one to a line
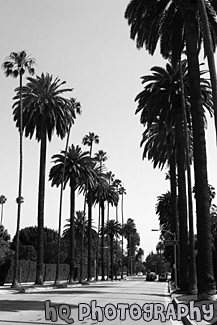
[87, 44]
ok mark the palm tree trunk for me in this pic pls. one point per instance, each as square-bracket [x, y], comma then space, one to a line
[1, 214]
[60, 214]
[72, 234]
[97, 246]
[182, 207]
[130, 255]
[82, 242]
[102, 240]
[122, 235]
[108, 242]
[89, 267]
[19, 199]
[174, 212]
[116, 246]
[41, 195]
[206, 282]
[192, 261]
[210, 55]
[174, 221]
[112, 257]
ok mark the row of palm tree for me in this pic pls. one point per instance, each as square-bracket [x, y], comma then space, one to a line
[113, 230]
[172, 109]
[39, 107]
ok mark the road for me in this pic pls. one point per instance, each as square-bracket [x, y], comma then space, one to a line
[122, 302]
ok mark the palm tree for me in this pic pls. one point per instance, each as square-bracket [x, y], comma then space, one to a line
[129, 230]
[44, 110]
[81, 233]
[15, 65]
[110, 178]
[77, 108]
[166, 129]
[79, 172]
[88, 140]
[100, 157]
[3, 200]
[192, 257]
[175, 24]
[103, 192]
[112, 229]
[117, 184]
[164, 135]
[122, 191]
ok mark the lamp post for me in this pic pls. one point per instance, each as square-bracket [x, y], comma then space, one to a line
[175, 251]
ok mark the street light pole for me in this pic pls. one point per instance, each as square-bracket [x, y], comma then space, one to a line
[175, 253]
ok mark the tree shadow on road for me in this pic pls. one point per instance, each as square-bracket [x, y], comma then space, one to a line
[21, 305]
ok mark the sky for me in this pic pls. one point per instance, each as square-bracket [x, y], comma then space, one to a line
[87, 44]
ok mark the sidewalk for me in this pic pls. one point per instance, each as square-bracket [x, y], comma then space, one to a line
[48, 285]
[210, 308]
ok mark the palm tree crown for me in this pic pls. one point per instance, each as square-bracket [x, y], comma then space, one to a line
[89, 139]
[43, 104]
[79, 168]
[152, 21]
[16, 63]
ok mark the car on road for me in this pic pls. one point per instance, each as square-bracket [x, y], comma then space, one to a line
[162, 277]
[140, 274]
[151, 276]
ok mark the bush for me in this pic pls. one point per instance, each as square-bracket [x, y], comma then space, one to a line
[4, 268]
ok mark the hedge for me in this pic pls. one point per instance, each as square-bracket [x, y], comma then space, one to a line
[27, 271]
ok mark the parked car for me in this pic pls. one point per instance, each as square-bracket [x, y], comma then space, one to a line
[151, 276]
[140, 274]
[163, 277]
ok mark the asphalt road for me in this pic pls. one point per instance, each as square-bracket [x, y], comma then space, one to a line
[132, 301]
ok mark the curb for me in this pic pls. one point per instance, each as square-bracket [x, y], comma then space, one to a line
[185, 320]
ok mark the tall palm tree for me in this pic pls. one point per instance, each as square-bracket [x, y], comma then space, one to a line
[110, 178]
[167, 122]
[15, 65]
[117, 184]
[3, 200]
[44, 111]
[100, 157]
[112, 229]
[162, 116]
[103, 192]
[192, 257]
[77, 108]
[129, 230]
[79, 172]
[122, 191]
[176, 23]
[89, 140]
